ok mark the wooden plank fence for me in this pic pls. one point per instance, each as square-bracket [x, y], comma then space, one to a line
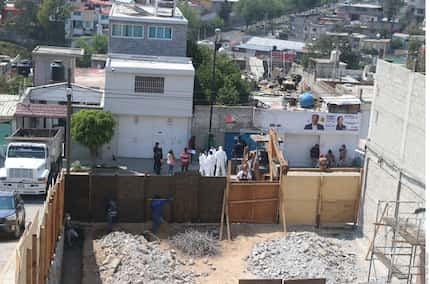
[37, 244]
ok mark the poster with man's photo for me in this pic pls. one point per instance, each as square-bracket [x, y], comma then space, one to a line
[332, 122]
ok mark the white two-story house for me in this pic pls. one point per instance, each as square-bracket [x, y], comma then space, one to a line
[149, 79]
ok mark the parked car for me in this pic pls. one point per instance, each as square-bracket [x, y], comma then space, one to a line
[12, 213]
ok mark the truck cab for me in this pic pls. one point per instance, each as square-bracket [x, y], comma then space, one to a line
[26, 168]
[33, 159]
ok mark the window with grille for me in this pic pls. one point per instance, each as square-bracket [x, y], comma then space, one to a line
[132, 31]
[149, 84]
[156, 32]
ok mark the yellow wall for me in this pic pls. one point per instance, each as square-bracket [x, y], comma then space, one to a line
[335, 196]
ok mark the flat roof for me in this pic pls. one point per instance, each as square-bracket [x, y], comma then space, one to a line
[144, 13]
[382, 40]
[362, 5]
[99, 57]
[162, 65]
[41, 110]
[280, 44]
[342, 100]
[58, 50]
[57, 93]
[325, 61]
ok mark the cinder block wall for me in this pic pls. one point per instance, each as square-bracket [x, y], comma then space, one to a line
[396, 141]
[242, 116]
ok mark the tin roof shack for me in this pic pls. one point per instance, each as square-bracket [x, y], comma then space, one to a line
[44, 56]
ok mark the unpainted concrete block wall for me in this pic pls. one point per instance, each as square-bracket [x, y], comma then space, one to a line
[396, 141]
[242, 115]
[177, 46]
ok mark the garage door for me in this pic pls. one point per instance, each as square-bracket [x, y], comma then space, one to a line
[134, 137]
[138, 134]
[297, 149]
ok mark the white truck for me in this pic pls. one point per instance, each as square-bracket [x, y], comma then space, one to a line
[33, 159]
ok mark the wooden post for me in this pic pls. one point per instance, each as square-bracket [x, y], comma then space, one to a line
[48, 241]
[319, 203]
[34, 258]
[28, 271]
[224, 201]
[42, 251]
[227, 194]
[281, 204]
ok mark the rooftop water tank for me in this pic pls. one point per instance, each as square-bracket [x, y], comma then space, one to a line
[306, 100]
[57, 71]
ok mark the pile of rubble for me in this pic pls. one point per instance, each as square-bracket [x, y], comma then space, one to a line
[132, 259]
[303, 255]
[195, 243]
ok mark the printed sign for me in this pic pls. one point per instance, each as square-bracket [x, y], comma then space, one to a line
[332, 122]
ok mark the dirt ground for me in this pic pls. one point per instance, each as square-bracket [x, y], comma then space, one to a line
[229, 264]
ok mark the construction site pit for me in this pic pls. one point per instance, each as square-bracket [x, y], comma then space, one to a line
[132, 254]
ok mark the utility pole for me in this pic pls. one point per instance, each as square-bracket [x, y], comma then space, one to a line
[217, 45]
[69, 115]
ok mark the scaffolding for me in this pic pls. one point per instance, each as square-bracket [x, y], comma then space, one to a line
[398, 242]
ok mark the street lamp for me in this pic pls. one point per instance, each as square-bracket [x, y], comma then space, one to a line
[217, 45]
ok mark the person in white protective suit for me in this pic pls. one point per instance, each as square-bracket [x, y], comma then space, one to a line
[210, 164]
[202, 161]
[221, 160]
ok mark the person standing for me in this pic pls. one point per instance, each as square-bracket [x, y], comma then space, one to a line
[202, 161]
[111, 214]
[342, 156]
[221, 160]
[157, 211]
[170, 162]
[158, 157]
[315, 154]
[185, 160]
[210, 164]
[331, 159]
[323, 163]
[192, 147]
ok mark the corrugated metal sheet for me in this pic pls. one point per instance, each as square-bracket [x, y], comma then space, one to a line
[8, 106]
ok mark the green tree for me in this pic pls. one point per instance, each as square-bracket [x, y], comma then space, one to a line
[396, 43]
[27, 22]
[91, 45]
[226, 73]
[51, 16]
[228, 95]
[92, 128]
[225, 11]
[194, 21]
[13, 84]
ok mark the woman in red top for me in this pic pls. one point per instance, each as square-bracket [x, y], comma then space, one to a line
[185, 160]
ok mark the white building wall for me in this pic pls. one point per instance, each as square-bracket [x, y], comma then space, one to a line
[396, 151]
[177, 100]
[298, 142]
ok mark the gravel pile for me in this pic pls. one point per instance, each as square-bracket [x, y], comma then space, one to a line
[132, 259]
[303, 255]
[195, 243]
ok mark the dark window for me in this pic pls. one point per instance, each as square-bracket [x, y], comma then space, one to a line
[149, 84]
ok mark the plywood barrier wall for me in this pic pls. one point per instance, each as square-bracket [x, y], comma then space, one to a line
[334, 197]
[253, 202]
[36, 246]
[195, 198]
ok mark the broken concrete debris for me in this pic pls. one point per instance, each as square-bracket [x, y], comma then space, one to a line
[195, 243]
[303, 255]
[131, 259]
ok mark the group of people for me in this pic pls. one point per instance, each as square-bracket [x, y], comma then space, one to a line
[185, 159]
[328, 160]
[213, 162]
